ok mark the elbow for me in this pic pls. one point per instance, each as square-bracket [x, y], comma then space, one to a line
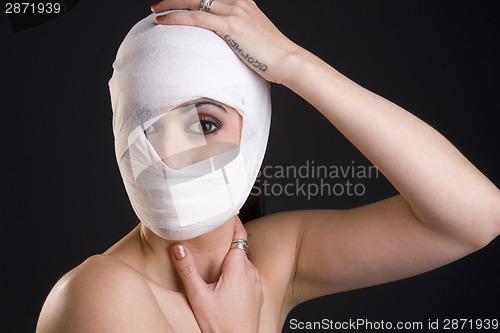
[496, 216]
[486, 238]
[479, 224]
[488, 227]
[478, 239]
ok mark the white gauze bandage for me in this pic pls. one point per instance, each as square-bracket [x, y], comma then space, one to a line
[157, 69]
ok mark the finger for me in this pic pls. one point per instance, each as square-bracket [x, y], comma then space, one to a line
[239, 233]
[239, 230]
[195, 18]
[163, 6]
[219, 7]
[186, 268]
[234, 262]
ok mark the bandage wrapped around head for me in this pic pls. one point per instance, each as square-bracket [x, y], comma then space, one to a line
[183, 179]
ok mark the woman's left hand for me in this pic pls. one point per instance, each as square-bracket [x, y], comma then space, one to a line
[250, 34]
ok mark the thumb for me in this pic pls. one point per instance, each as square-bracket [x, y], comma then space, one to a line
[186, 268]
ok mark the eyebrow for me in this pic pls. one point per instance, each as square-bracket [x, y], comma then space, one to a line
[197, 104]
[186, 108]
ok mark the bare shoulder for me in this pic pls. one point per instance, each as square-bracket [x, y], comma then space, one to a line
[276, 238]
[281, 229]
[101, 295]
[273, 244]
[278, 233]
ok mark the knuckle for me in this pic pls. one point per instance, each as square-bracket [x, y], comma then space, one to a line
[232, 256]
[241, 3]
[197, 17]
[236, 256]
[248, 5]
[187, 269]
[237, 11]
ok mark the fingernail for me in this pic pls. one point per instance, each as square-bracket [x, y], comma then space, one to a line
[153, 6]
[160, 18]
[179, 252]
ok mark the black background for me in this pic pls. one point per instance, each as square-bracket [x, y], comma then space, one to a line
[63, 198]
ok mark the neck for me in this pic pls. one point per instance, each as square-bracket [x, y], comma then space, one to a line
[208, 250]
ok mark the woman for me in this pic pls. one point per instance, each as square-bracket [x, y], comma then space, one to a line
[445, 210]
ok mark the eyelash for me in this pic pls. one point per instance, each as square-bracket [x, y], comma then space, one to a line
[201, 120]
[212, 121]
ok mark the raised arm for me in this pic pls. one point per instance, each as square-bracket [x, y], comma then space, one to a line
[446, 193]
[446, 209]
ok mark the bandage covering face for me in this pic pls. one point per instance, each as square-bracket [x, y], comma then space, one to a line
[183, 185]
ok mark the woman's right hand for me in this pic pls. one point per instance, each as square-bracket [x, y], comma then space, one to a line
[233, 303]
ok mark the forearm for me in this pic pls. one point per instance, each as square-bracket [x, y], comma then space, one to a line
[446, 192]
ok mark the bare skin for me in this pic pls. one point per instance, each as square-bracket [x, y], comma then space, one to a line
[445, 210]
